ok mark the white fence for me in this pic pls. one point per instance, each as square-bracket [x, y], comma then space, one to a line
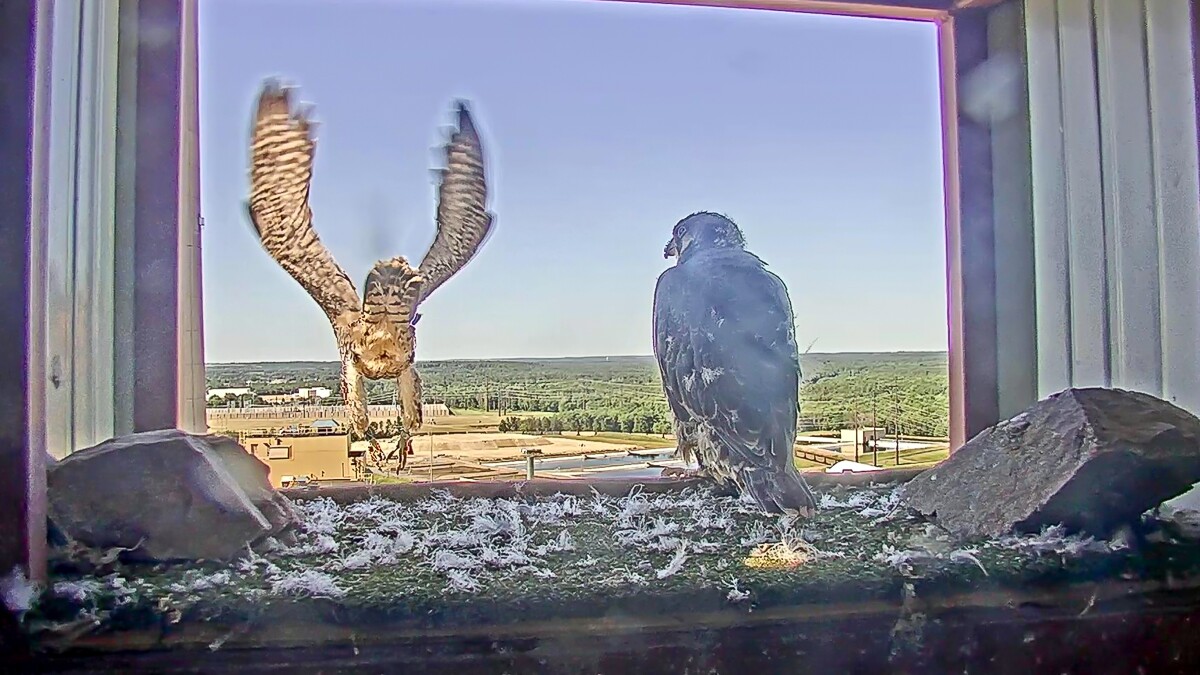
[311, 412]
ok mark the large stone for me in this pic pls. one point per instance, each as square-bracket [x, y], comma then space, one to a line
[253, 476]
[170, 494]
[1092, 460]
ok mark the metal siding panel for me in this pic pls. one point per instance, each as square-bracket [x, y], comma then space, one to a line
[83, 273]
[155, 218]
[147, 235]
[1049, 180]
[104, 350]
[93, 329]
[1084, 191]
[191, 378]
[1131, 229]
[1177, 187]
[977, 241]
[124, 232]
[1016, 299]
[60, 272]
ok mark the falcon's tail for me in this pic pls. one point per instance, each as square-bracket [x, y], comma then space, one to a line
[779, 491]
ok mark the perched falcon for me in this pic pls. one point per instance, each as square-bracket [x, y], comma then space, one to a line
[724, 338]
[375, 335]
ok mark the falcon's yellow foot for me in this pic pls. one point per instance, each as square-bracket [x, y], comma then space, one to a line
[684, 474]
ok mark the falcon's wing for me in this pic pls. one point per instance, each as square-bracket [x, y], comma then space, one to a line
[671, 344]
[735, 363]
[463, 222]
[281, 159]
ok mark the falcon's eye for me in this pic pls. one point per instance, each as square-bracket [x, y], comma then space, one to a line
[678, 231]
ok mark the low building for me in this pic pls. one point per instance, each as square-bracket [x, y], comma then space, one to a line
[228, 391]
[862, 436]
[303, 454]
[429, 410]
[301, 395]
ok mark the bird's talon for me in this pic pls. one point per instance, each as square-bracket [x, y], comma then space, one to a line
[684, 474]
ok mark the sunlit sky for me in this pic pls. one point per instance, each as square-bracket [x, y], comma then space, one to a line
[604, 123]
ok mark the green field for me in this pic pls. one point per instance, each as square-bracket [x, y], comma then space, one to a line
[908, 391]
[644, 440]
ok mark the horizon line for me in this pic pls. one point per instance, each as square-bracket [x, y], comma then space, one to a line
[564, 358]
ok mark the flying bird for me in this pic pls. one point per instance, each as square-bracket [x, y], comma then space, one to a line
[375, 335]
[725, 342]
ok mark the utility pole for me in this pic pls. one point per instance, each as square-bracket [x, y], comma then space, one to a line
[896, 425]
[857, 435]
[874, 429]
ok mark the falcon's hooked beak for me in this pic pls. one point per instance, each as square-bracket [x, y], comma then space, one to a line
[671, 249]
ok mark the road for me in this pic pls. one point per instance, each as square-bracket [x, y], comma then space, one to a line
[604, 465]
[636, 464]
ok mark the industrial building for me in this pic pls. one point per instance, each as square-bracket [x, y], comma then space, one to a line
[304, 454]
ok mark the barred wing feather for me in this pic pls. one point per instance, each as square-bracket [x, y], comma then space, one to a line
[281, 160]
[463, 222]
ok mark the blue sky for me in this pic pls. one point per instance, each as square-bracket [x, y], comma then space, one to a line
[604, 124]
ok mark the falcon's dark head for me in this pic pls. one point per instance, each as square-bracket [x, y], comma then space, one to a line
[703, 231]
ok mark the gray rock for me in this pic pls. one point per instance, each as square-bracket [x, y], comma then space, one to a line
[180, 496]
[253, 476]
[1092, 460]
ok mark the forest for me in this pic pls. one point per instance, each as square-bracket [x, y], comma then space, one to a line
[904, 391]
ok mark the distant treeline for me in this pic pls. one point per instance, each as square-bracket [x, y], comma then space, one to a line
[642, 422]
[906, 390]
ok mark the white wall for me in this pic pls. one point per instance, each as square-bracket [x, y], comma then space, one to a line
[1115, 196]
[82, 363]
[82, 131]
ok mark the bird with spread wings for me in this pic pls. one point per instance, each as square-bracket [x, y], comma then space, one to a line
[375, 335]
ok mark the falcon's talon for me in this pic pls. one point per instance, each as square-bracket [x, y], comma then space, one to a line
[685, 473]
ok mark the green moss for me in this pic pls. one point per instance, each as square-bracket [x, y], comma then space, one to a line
[600, 576]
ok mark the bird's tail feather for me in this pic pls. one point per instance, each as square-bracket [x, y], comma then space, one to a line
[779, 491]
